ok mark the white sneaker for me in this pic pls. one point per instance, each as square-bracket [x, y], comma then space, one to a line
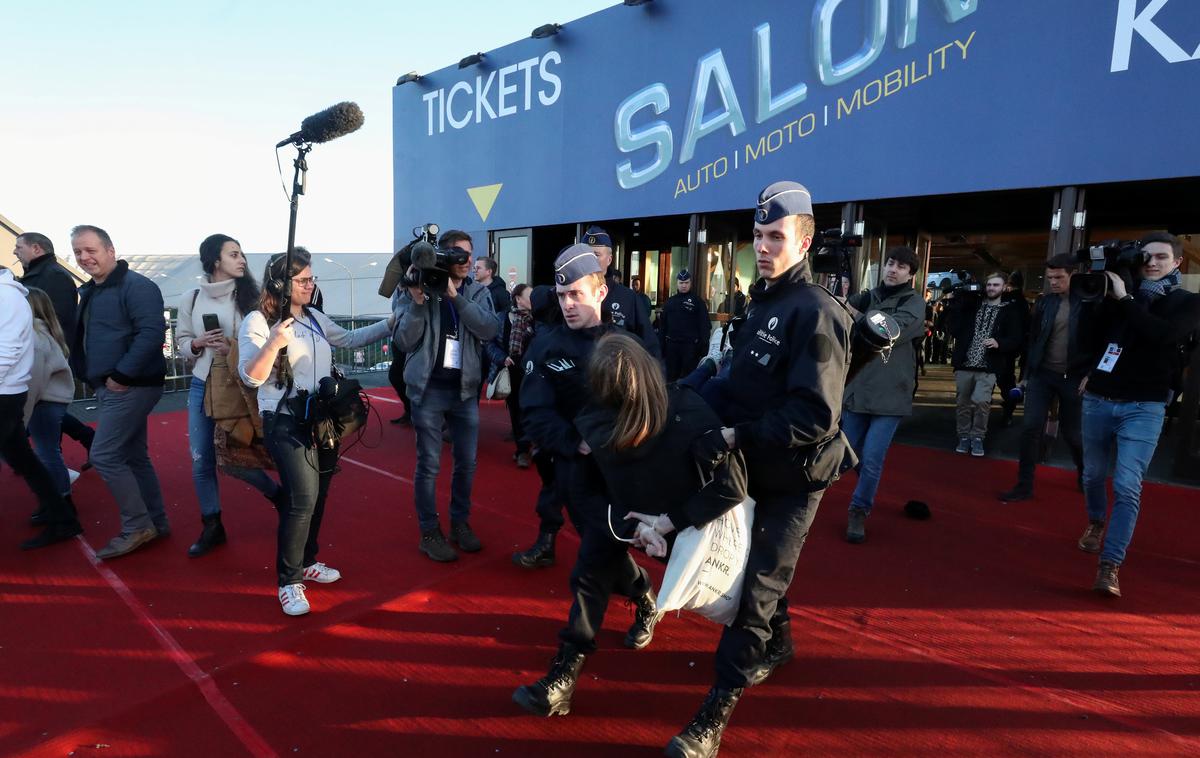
[72, 474]
[322, 574]
[293, 600]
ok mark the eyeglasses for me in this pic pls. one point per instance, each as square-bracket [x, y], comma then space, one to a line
[308, 281]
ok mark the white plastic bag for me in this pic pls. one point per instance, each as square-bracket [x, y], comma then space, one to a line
[707, 566]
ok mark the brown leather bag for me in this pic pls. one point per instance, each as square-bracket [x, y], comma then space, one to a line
[238, 432]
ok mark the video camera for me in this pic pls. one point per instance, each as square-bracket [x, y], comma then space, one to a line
[432, 263]
[834, 251]
[1122, 257]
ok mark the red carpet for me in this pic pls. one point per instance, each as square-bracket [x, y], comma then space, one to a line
[970, 634]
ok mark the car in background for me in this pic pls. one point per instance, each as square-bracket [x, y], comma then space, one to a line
[381, 366]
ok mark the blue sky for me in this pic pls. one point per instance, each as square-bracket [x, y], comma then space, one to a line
[157, 120]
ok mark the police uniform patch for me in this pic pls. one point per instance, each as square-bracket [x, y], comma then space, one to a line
[528, 368]
[761, 215]
[820, 348]
[774, 322]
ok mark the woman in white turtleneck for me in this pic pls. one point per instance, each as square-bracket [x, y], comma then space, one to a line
[229, 292]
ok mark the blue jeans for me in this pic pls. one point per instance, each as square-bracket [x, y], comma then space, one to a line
[870, 436]
[1135, 428]
[204, 457]
[462, 416]
[45, 427]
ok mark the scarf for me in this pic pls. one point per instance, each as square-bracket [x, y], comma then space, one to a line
[1149, 291]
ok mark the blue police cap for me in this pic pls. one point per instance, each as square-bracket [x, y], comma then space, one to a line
[684, 275]
[575, 262]
[782, 199]
[597, 236]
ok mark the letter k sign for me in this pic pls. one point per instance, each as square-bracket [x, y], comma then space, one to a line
[1130, 21]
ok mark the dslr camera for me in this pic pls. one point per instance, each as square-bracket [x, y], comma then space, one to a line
[1123, 257]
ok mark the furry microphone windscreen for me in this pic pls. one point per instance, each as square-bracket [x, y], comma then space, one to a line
[331, 123]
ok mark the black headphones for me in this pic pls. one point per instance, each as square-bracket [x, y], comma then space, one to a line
[275, 279]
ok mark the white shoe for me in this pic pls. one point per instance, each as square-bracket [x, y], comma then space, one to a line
[72, 474]
[293, 600]
[322, 574]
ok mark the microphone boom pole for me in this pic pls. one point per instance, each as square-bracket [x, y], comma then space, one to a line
[299, 180]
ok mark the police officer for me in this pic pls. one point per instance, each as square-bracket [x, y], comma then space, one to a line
[786, 379]
[684, 328]
[622, 306]
[553, 393]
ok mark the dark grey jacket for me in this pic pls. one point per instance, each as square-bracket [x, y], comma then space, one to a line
[418, 329]
[120, 331]
[886, 389]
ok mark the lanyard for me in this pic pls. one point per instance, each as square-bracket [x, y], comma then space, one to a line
[453, 317]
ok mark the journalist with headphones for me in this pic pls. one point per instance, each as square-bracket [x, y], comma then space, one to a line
[288, 391]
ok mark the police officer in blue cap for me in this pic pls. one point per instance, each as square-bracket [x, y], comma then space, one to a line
[622, 306]
[786, 378]
[684, 328]
[553, 393]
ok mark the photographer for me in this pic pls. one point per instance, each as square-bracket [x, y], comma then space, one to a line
[882, 393]
[986, 330]
[305, 469]
[1138, 336]
[442, 329]
[1056, 362]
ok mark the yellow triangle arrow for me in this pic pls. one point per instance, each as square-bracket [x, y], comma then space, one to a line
[484, 198]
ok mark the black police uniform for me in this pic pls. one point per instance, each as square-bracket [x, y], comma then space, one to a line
[786, 380]
[553, 393]
[684, 328]
[624, 308]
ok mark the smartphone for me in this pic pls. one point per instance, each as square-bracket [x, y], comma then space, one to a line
[211, 322]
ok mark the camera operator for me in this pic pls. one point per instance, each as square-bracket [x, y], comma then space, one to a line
[882, 393]
[442, 331]
[1138, 336]
[787, 374]
[305, 469]
[1056, 361]
[623, 307]
[987, 330]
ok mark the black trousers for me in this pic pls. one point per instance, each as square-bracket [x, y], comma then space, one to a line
[14, 446]
[552, 497]
[781, 525]
[396, 378]
[77, 430]
[513, 403]
[1040, 391]
[681, 357]
[603, 567]
[305, 474]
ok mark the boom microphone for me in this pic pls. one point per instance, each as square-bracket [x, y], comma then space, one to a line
[331, 123]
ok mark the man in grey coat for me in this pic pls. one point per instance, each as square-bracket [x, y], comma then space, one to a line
[882, 392]
[118, 350]
[442, 334]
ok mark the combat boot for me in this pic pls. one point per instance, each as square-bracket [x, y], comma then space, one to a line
[538, 556]
[645, 618]
[701, 738]
[551, 695]
[779, 651]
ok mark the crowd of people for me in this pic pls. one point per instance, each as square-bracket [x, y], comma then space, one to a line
[635, 434]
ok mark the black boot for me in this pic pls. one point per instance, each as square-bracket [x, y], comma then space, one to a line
[701, 738]
[644, 620]
[551, 695]
[40, 517]
[59, 531]
[779, 651]
[213, 534]
[538, 556]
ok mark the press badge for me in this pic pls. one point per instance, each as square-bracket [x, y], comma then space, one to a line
[453, 353]
[1110, 358]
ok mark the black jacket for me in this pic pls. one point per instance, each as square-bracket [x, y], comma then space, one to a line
[1080, 356]
[555, 389]
[120, 331]
[501, 299]
[1150, 337]
[686, 471]
[625, 308]
[960, 322]
[684, 319]
[787, 376]
[48, 275]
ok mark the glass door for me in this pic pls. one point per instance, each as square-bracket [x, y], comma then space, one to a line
[513, 254]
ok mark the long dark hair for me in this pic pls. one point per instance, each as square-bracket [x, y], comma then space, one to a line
[245, 289]
[274, 280]
[623, 376]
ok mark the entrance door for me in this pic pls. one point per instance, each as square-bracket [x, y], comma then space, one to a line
[513, 254]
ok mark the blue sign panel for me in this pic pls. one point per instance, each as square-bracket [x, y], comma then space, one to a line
[683, 106]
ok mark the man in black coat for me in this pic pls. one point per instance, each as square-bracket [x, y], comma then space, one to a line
[622, 306]
[684, 328]
[42, 270]
[986, 330]
[787, 375]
